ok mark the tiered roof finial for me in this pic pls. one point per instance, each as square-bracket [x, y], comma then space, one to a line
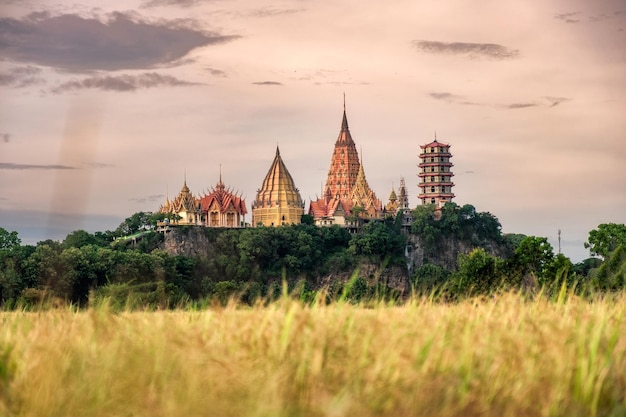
[344, 122]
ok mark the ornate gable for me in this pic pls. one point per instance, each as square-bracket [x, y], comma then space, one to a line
[222, 208]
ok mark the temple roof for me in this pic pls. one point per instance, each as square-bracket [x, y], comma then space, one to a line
[392, 195]
[344, 137]
[362, 195]
[344, 164]
[278, 187]
[434, 143]
[222, 199]
[184, 201]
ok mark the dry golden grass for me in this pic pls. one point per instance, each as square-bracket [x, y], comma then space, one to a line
[499, 357]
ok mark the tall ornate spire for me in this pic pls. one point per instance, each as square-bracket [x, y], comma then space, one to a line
[344, 133]
[344, 164]
[344, 122]
[345, 175]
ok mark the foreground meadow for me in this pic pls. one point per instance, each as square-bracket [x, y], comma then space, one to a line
[499, 357]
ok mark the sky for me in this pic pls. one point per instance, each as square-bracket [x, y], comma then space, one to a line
[106, 107]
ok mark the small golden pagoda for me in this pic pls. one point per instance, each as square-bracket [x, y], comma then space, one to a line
[185, 207]
[392, 206]
[278, 201]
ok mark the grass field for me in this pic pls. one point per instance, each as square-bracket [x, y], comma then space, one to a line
[498, 357]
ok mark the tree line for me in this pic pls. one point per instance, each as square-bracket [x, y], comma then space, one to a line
[128, 267]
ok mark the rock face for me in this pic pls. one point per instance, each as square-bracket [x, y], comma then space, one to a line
[197, 242]
[188, 241]
[395, 277]
[446, 252]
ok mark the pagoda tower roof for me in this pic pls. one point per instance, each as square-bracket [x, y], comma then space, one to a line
[278, 187]
[362, 195]
[344, 164]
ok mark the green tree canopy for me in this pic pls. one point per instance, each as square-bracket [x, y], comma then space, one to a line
[606, 238]
[8, 240]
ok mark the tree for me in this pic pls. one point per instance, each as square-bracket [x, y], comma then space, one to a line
[478, 273]
[425, 225]
[606, 238]
[136, 223]
[378, 240]
[612, 273]
[8, 240]
[307, 219]
[429, 276]
[79, 238]
[534, 255]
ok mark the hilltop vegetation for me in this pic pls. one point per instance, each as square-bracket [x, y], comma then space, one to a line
[462, 253]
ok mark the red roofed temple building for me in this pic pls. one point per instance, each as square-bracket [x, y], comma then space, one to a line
[222, 208]
[435, 174]
[219, 208]
[346, 186]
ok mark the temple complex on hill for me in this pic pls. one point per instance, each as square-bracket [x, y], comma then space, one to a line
[220, 207]
[278, 201]
[347, 199]
[435, 174]
[347, 195]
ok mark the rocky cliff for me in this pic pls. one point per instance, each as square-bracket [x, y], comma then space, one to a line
[446, 251]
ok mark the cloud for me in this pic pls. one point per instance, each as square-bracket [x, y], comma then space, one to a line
[19, 77]
[99, 165]
[122, 83]
[604, 16]
[452, 98]
[457, 99]
[555, 101]
[216, 72]
[6, 137]
[11, 166]
[149, 199]
[81, 44]
[270, 11]
[520, 105]
[575, 17]
[470, 50]
[267, 83]
[179, 3]
[449, 97]
[568, 17]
